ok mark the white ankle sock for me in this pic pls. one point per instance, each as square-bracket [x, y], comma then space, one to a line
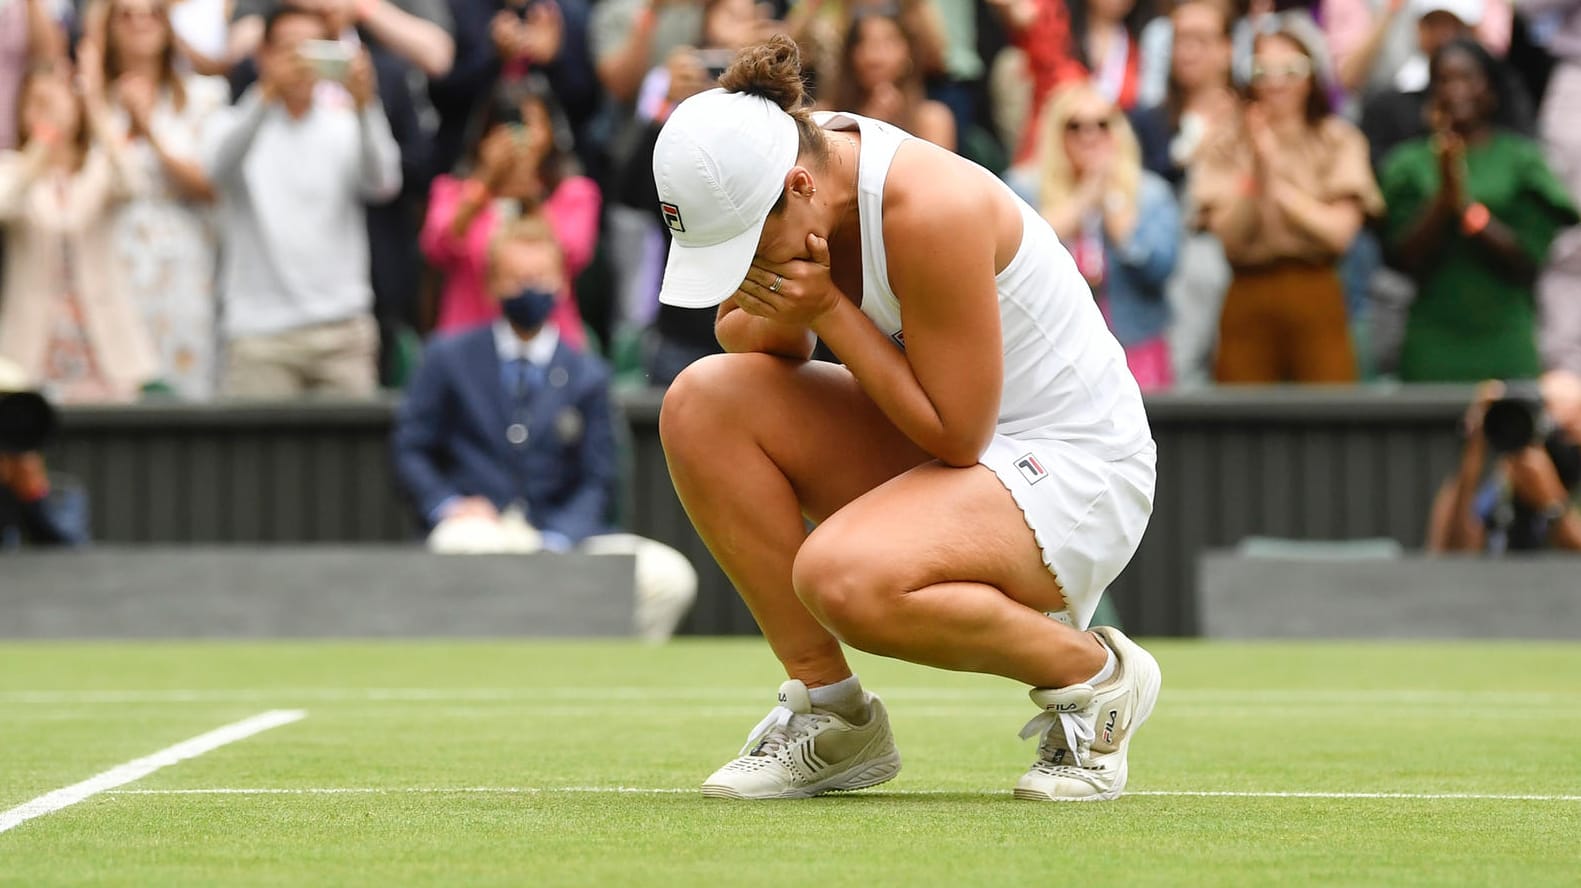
[843, 698]
[1107, 672]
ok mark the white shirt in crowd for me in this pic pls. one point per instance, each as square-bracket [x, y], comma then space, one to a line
[538, 350]
[295, 241]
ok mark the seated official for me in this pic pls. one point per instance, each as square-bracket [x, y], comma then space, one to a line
[1518, 488]
[506, 440]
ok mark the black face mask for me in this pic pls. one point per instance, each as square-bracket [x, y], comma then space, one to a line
[529, 308]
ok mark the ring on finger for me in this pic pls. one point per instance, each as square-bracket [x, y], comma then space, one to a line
[779, 279]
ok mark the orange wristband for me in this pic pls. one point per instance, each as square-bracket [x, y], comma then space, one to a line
[1475, 219]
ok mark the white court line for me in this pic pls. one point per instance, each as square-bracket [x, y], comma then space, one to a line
[1013, 709]
[137, 769]
[543, 790]
[460, 695]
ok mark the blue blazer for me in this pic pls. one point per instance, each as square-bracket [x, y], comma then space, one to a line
[450, 436]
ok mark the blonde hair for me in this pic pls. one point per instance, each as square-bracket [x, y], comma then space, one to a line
[522, 231]
[1056, 177]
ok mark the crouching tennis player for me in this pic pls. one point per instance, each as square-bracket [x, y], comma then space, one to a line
[979, 470]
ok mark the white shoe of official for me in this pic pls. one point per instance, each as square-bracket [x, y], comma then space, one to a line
[1087, 730]
[798, 752]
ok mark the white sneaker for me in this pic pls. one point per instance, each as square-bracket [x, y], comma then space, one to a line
[798, 752]
[1087, 730]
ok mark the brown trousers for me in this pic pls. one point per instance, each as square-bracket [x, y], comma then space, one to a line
[1285, 323]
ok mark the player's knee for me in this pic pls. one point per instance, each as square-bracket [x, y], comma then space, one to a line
[701, 399]
[840, 590]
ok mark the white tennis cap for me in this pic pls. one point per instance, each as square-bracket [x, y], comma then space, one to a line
[719, 165]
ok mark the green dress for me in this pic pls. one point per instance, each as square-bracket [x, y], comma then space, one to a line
[1469, 322]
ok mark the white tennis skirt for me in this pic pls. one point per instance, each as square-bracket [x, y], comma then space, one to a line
[1087, 513]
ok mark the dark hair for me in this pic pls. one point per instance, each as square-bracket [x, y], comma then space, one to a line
[284, 11]
[1174, 97]
[1141, 13]
[1501, 87]
[772, 70]
[1318, 105]
[504, 109]
[849, 94]
[113, 66]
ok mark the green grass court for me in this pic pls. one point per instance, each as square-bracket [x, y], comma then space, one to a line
[577, 764]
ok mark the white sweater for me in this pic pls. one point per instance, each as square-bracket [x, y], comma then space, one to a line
[291, 191]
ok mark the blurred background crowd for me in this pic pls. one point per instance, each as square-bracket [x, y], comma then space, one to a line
[262, 198]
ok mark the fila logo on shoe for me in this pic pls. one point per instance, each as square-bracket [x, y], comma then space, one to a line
[1067, 707]
[1108, 726]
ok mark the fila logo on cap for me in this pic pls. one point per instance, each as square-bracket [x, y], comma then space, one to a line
[1031, 469]
[672, 216]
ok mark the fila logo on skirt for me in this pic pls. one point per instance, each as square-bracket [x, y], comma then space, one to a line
[1031, 469]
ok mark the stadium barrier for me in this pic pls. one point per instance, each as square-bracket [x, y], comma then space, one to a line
[206, 591]
[1297, 463]
[1534, 596]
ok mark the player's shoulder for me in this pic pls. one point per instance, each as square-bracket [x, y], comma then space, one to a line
[930, 187]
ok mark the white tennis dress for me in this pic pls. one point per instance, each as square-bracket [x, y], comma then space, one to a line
[1072, 443]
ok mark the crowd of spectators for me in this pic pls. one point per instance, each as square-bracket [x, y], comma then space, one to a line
[263, 198]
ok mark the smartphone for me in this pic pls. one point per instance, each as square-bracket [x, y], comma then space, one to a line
[330, 59]
[715, 60]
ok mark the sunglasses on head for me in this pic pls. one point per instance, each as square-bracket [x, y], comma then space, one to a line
[1295, 69]
[1077, 125]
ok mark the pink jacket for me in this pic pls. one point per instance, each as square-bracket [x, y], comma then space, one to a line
[572, 210]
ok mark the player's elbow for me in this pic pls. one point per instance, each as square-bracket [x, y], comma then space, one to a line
[960, 452]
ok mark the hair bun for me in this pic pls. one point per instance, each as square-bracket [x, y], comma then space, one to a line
[769, 70]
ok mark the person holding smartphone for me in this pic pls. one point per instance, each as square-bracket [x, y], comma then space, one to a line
[517, 167]
[293, 163]
[678, 336]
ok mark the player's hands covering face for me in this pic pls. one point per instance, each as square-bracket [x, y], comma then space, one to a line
[797, 292]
